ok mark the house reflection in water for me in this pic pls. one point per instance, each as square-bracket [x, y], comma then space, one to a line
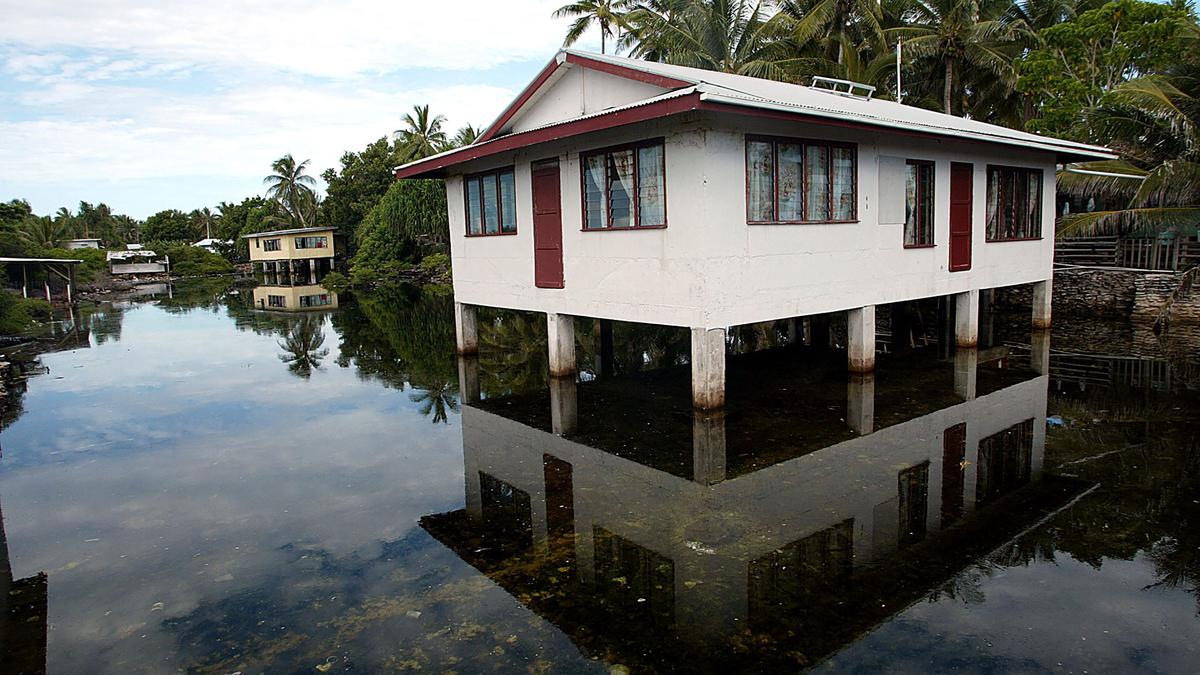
[23, 606]
[781, 561]
[285, 298]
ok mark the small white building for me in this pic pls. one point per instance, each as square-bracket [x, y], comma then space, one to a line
[76, 244]
[627, 190]
[213, 245]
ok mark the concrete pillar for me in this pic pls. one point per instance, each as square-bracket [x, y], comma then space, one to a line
[708, 368]
[860, 403]
[47, 286]
[860, 330]
[560, 337]
[966, 319]
[466, 329]
[1039, 351]
[793, 331]
[987, 318]
[1043, 297]
[24, 281]
[807, 325]
[966, 369]
[468, 379]
[564, 406]
[604, 357]
[708, 447]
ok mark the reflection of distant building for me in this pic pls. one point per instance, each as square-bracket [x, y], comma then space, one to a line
[294, 298]
[808, 551]
[22, 617]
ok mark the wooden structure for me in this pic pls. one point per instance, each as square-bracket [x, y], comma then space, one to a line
[64, 269]
[1142, 253]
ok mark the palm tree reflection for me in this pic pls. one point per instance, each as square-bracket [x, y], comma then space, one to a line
[302, 347]
[438, 399]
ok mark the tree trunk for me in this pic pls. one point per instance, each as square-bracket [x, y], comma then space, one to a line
[948, 87]
[602, 38]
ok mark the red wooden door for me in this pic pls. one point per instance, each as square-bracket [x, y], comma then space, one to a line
[547, 226]
[962, 176]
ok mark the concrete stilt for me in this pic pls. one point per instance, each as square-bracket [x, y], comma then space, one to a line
[560, 336]
[966, 319]
[604, 358]
[564, 406]
[24, 281]
[468, 379]
[987, 318]
[966, 371]
[860, 403]
[47, 287]
[466, 329]
[1043, 297]
[1039, 352]
[860, 329]
[793, 331]
[708, 368]
[708, 447]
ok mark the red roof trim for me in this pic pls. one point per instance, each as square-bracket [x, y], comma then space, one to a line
[584, 62]
[628, 73]
[664, 108]
[522, 99]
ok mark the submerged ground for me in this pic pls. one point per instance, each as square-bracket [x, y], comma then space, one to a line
[207, 487]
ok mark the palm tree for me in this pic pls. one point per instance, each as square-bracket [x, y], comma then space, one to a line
[303, 347]
[838, 24]
[465, 136]
[730, 36]
[608, 15]
[43, 231]
[422, 136]
[1153, 122]
[958, 35]
[65, 220]
[292, 189]
[203, 219]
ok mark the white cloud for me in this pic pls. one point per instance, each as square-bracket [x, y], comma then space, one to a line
[309, 37]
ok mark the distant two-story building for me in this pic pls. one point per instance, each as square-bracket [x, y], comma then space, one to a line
[626, 190]
[307, 251]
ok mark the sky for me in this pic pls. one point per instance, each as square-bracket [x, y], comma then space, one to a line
[153, 105]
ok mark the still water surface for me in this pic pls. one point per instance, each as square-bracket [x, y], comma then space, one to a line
[214, 488]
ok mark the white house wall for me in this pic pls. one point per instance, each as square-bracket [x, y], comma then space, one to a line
[580, 91]
[708, 267]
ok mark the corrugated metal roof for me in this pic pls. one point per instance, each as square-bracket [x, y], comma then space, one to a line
[772, 94]
[300, 230]
[753, 92]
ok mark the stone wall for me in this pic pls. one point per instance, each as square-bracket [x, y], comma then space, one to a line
[1110, 294]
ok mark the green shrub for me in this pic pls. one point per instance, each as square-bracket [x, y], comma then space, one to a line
[17, 314]
[383, 274]
[436, 264]
[193, 261]
[335, 281]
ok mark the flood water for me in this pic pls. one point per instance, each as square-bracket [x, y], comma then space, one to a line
[199, 483]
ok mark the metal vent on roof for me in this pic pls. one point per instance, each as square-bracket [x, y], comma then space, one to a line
[843, 87]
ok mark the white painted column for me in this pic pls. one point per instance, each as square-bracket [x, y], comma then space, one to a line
[860, 330]
[966, 319]
[860, 403]
[466, 329]
[708, 368]
[708, 448]
[560, 337]
[564, 406]
[1043, 298]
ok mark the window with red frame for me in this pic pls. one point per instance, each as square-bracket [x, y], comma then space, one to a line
[795, 181]
[491, 203]
[918, 204]
[1014, 203]
[625, 187]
